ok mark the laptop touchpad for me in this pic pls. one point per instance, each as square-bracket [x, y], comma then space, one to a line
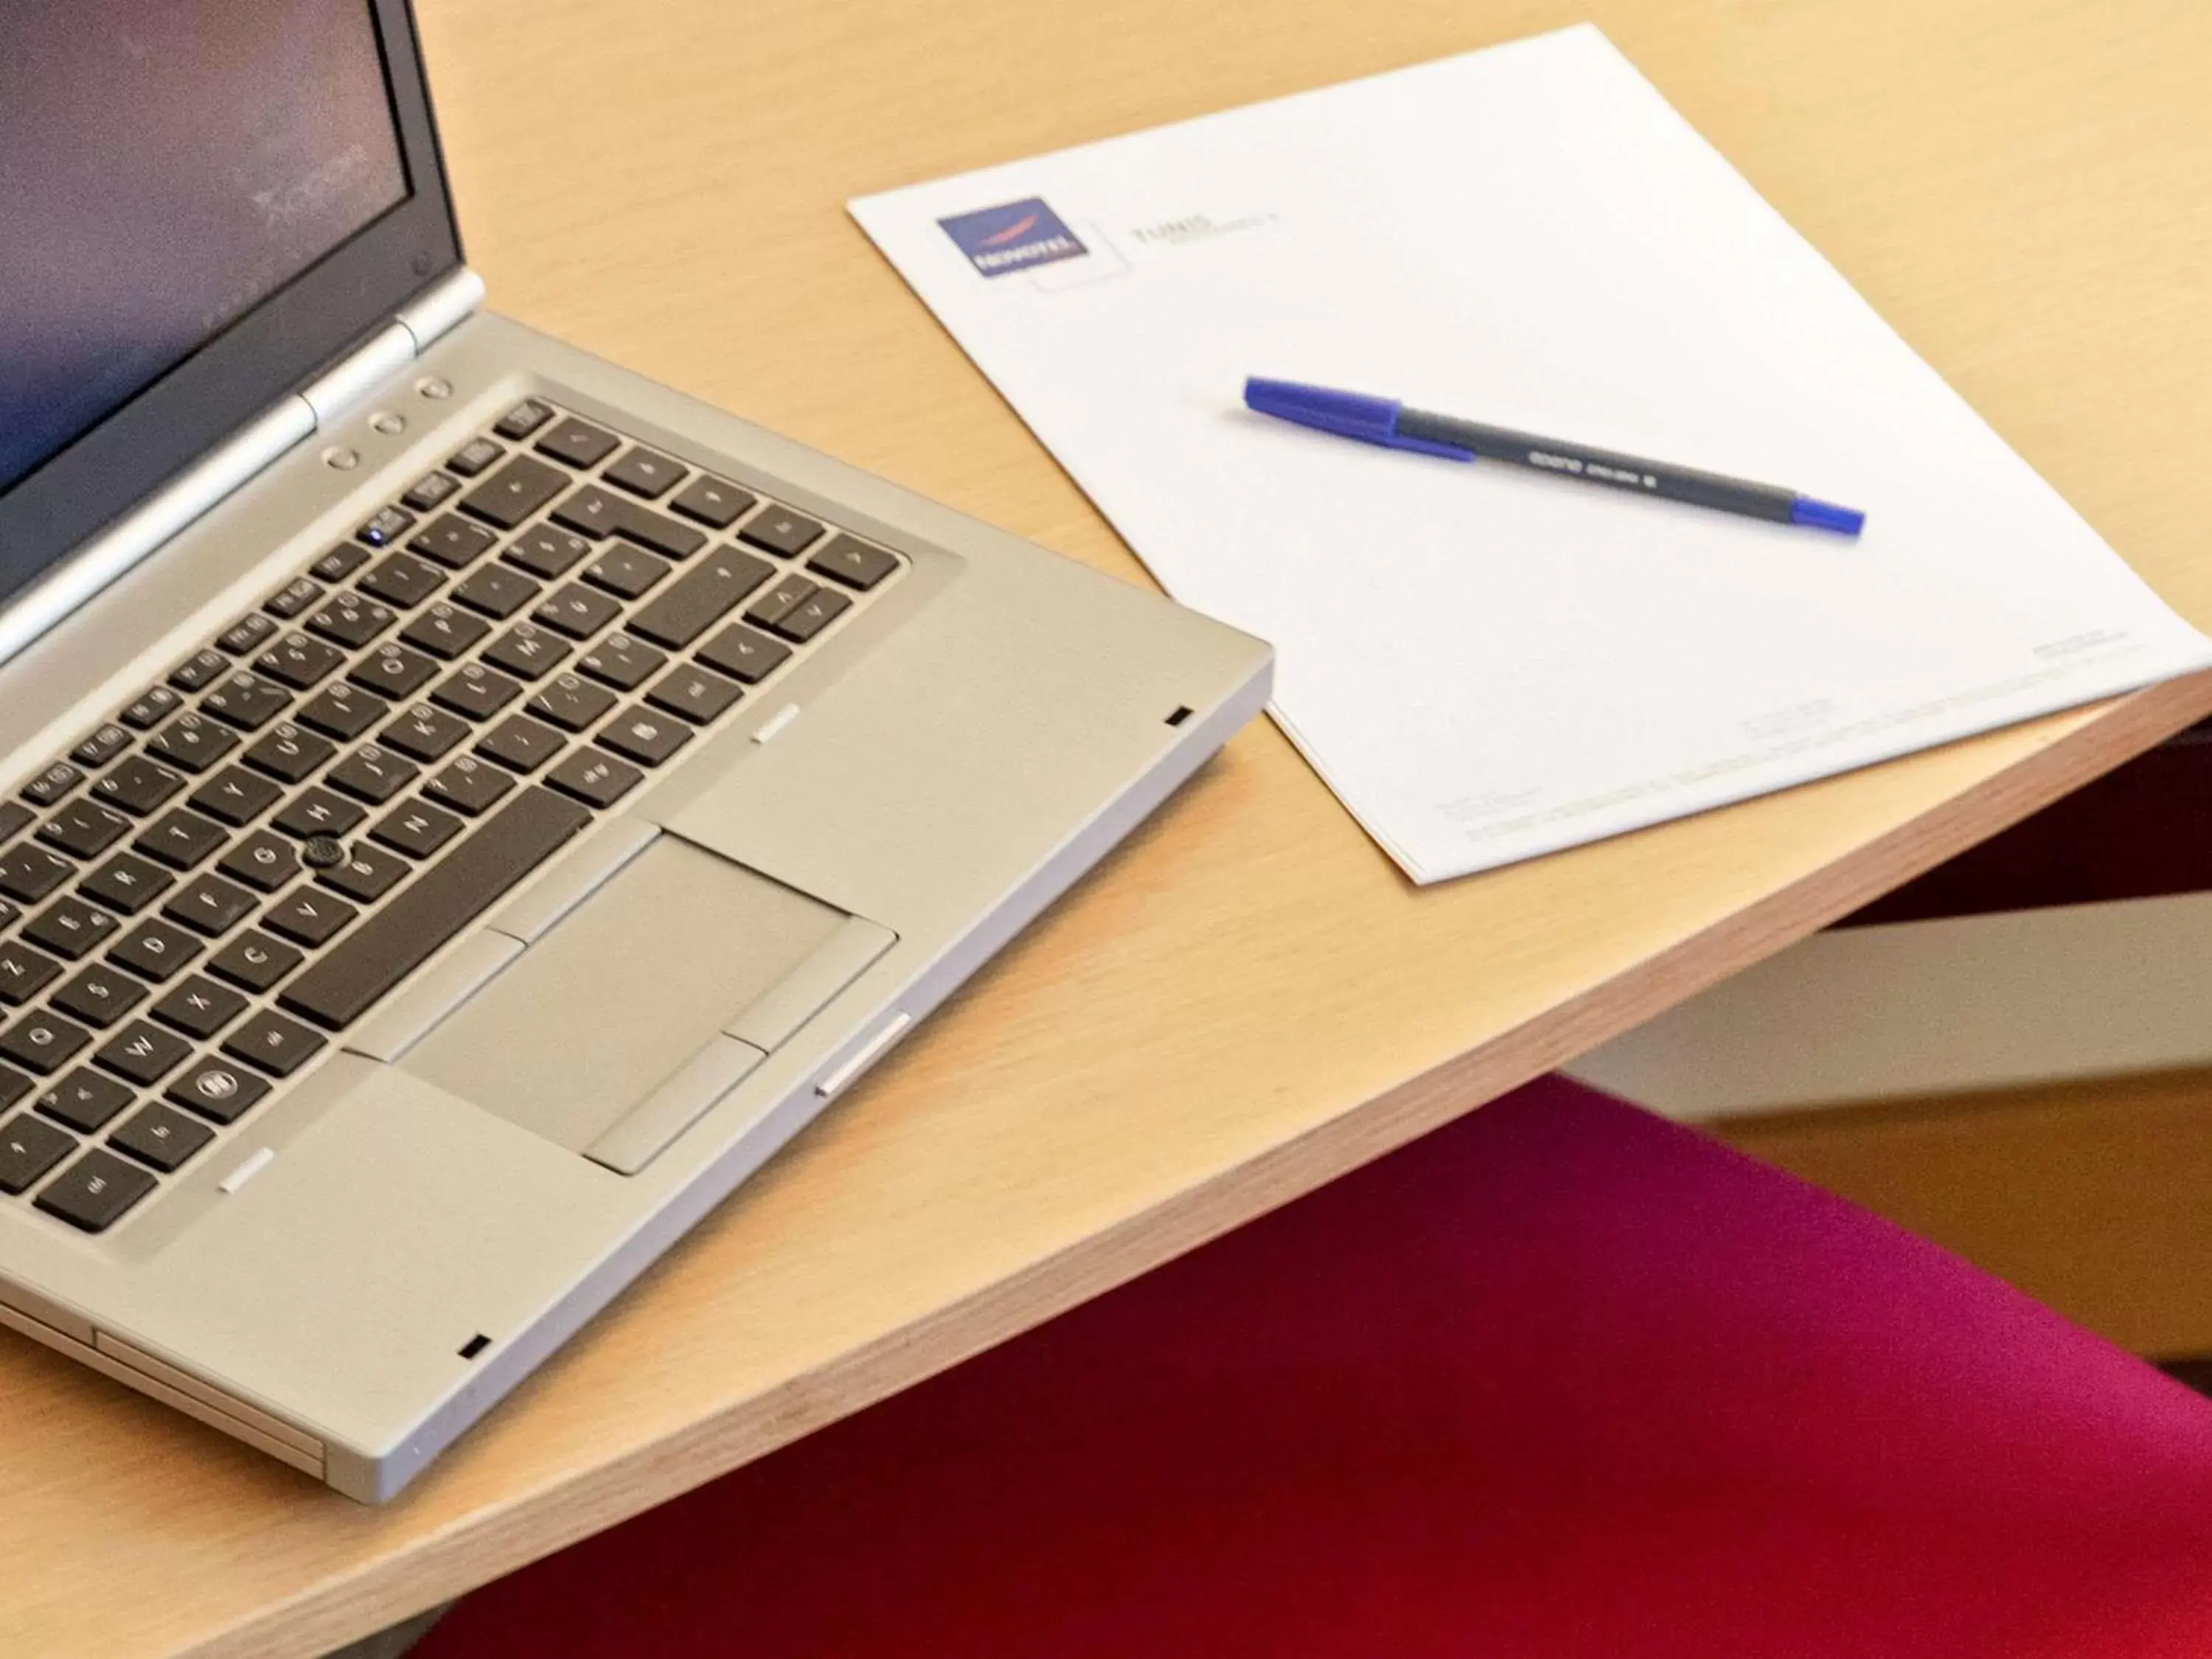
[626, 992]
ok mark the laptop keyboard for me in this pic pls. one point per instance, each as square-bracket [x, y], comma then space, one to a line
[246, 858]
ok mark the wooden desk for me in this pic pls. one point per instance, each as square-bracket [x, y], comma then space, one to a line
[1248, 999]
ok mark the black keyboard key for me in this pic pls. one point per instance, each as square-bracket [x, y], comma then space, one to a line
[51, 785]
[199, 1008]
[299, 660]
[450, 895]
[367, 874]
[84, 1100]
[84, 828]
[263, 861]
[772, 607]
[394, 670]
[96, 751]
[191, 743]
[69, 928]
[473, 456]
[352, 620]
[14, 818]
[598, 512]
[278, 1045]
[143, 1053]
[644, 473]
[28, 873]
[28, 1148]
[855, 564]
[712, 502]
[155, 950]
[576, 611]
[545, 552]
[198, 671]
[163, 1138]
[527, 650]
[697, 694]
[570, 703]
[425, 733]
[469, 786]
[454, 542]
[318, 812]
[804, 620]
[246, 635]
[42, 1043]
[744, 654]
[14, 1085]
[218, 1090]
[343, 711]
[371, 774]
[137, 785]
[402, 582]
[417, 829]
[389, 525]
[249, 702]
[338, 563]
[524, 418]
[445, 631]
[211, 905]
[522, 742]
[430, 492]
[514, 492]
[150, 710]
[476, 691]
[288, 753]
[597, 779]
[127, 883]
[621, 662]
[23, 973]
[96, 1191]
[308, 917]
[254, 961]
[99, 996]
[630, 572]
[701, 597]
[295, 600]
[578, 443]
[645, 736]
[236, 796]
[497, 592]
[781, 531]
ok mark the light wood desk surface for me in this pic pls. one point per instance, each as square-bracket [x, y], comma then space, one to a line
[1248, 999]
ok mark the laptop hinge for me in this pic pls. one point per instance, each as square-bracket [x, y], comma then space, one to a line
[235, 462]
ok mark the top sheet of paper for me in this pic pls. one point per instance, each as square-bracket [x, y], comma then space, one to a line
[1484, 663]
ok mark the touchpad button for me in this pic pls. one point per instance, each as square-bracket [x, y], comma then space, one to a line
[623, 992]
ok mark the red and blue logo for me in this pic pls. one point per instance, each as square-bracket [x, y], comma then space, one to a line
[1013, 237]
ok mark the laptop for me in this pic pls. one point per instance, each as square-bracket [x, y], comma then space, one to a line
[463, 806]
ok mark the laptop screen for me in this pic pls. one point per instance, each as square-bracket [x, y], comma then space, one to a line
[165, 165]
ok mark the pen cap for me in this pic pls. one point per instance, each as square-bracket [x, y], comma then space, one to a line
[1347, 414]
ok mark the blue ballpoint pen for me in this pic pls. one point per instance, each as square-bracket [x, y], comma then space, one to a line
[1386, 422]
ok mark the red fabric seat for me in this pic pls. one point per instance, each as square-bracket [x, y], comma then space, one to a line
[1558, 1380]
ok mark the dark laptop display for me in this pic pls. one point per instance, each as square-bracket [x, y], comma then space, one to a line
[165, 167]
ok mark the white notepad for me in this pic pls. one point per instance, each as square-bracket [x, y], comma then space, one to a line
[1484, 663]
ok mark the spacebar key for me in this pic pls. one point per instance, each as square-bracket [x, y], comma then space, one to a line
[453, 893]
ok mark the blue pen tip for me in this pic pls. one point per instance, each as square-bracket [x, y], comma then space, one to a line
[1826, 515]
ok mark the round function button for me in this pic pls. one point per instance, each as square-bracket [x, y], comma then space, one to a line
[436, 387]
[389, 424]
[339, 458]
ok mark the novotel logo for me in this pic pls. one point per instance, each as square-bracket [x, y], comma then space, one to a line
[1012, 237]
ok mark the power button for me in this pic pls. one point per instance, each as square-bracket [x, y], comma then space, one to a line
[866, 1055]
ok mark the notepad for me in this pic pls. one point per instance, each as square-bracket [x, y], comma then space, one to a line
[1484, 663]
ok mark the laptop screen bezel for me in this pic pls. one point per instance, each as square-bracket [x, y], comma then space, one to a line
[282, 343]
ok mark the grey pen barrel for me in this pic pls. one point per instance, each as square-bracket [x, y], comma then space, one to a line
[1601, 466]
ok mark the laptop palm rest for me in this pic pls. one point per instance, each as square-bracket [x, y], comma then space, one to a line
[613, 1032]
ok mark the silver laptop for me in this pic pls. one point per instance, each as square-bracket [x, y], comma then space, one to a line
[462, 807]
